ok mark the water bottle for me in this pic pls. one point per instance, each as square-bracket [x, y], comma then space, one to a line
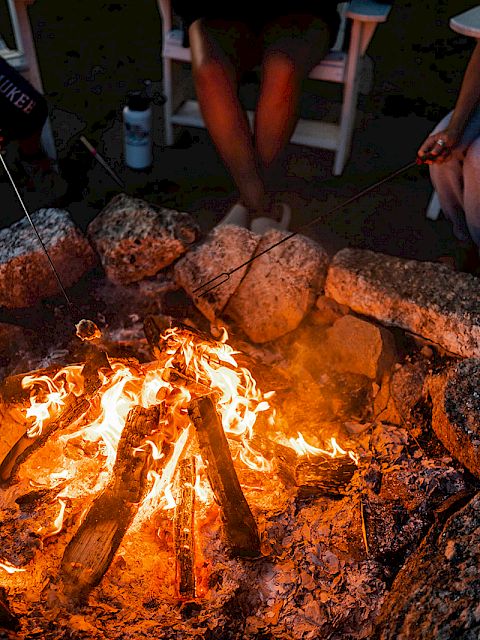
[137, 131]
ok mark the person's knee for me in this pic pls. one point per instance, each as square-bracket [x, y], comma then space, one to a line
[209, 73]
[472, 156]
[280, 75]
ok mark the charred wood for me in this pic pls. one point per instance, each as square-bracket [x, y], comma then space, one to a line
[313, 475]
[91, 550]
[283, 458]
[75, 407]
[323, 475]
[239, 524]
[183, 527]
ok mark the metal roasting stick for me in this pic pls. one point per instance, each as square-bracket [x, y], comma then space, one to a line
[221, 278]
[102, 161]
[52, 266]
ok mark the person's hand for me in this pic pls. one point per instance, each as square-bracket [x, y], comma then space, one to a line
[438, 147]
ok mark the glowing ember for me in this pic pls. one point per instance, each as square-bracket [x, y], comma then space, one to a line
[10, 568]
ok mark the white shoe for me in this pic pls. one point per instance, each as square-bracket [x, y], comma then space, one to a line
[263, 224]
[238, 215]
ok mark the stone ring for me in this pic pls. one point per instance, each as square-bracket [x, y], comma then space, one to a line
[440, 142]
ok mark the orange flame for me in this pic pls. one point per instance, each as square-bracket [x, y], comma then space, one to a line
[57, 523]
[303, 448]
[187, 366]
[47, 396]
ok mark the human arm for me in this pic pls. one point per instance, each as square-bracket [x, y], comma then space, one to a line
[468, 99]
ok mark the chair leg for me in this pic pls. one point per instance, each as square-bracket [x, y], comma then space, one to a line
[349, 106]
[168, 104]
[433, 207]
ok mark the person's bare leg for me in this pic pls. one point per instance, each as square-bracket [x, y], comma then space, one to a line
[220, 52]
[294, 44]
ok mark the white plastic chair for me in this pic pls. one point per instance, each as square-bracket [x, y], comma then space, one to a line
[23, 58]
[350, 68]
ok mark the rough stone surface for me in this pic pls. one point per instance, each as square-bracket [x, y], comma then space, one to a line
[456, 411]
[25, 273]
[435, 595]
[136, 239]
[423, 297]
[224, 249]
[280, 287]
[407, 388]
[384, 408]
[326, 311]
[361, 347]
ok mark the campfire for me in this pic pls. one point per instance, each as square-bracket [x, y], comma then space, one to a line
[113, 445]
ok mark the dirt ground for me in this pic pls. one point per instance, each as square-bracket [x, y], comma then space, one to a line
[92, 53]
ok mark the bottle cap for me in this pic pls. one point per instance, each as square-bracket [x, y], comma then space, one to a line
[137, 101]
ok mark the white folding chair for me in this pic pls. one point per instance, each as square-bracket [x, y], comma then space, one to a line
[348, 68]
[23, 58]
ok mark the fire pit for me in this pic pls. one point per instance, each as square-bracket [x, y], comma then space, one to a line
[309, 474]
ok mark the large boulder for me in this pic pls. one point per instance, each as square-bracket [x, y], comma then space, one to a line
[425, 298]
[456, 411]
[436, 593]
[136, 239]
[26, 275]
[225, 248]
[281, 286]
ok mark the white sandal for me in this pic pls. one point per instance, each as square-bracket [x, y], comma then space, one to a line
[238, 215]
[264, 223]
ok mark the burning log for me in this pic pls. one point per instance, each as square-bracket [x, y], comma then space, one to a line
[284, 458]
[314, 475]
[183, 527]
[91, 550]
[155, 326]
[324, 475]
[75, 407]
[240, 526]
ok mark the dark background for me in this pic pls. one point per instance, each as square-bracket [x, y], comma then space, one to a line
[92, 53]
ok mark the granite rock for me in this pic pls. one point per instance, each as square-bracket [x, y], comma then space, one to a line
[456, 411]
[425, 298]
[225, 248]
[280, 287]
[136, 239]
[435, 595]
[25, 273]
[361, 347]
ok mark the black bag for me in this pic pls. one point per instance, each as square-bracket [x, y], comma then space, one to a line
[23, 110]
